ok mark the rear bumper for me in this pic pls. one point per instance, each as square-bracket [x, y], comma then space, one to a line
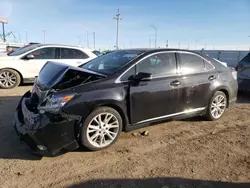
[49, 138]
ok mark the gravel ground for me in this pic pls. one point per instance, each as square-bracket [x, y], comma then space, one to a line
[187, 153]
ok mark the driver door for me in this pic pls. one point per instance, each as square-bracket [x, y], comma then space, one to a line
[32, 66]
[157, 98]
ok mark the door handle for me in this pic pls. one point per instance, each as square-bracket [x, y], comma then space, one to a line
[211, 78]
[175, 83]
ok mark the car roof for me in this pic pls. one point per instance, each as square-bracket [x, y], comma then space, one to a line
[63, 46]
[152, 50]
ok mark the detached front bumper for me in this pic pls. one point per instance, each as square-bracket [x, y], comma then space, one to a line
[44, 135]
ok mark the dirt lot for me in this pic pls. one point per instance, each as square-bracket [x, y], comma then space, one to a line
[190, 153]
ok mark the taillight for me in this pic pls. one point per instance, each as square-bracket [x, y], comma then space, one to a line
[234, 73]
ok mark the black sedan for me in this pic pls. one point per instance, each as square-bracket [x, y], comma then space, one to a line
[91, 104]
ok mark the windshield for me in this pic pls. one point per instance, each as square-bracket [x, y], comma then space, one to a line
[23, 50]
[111, 62]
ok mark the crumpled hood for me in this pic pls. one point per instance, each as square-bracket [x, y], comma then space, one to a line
[59, 76]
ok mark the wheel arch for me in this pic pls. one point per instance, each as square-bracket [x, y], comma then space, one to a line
[224, 90]
[112, 104]
[120, 110]
[21, 76]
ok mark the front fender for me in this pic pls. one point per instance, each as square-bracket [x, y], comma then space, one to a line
[15, 65]
[83, 104]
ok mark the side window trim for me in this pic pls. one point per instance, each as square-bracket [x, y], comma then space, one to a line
[27, 53]
[118, 80]
[58, 53]
[34, 50]
[86, 56]
[127, 72]
[205, 60]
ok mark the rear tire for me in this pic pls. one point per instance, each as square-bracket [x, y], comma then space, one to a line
[217, 106]
[9, 79]
[101, 128]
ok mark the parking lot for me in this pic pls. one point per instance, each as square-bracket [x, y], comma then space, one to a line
[185, 153]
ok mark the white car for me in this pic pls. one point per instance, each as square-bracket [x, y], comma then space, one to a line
[24, 64]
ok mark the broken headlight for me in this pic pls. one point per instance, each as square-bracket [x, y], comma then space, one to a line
[55, 102]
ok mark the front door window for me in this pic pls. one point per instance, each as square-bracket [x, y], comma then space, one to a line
[162, 64]
[44, 53]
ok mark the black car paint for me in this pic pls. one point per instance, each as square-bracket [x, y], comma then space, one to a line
[136, 102]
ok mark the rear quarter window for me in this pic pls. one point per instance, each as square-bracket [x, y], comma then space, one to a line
[208, 66]
[194, 63]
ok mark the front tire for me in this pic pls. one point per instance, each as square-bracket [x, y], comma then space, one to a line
[217, 106]
[101, 128]
[9, 79]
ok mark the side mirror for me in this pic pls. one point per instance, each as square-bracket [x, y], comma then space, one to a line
[30, 56]
[143, 76]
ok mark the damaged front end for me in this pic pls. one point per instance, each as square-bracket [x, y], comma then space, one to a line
[45, 132]
[39, 118]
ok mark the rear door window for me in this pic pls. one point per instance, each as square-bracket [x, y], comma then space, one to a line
[68, 53]
[191, 63]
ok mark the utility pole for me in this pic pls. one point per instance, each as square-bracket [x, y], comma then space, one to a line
[26, 37]
[117, 18]
[19, 37]
[94, 39]
[4, 39]
[79, 40]
[196, 42]
[87, 39]
[44, 33]
[167, 44]
[155, 33]
[249, 46]
[3, 21]
[130, 41]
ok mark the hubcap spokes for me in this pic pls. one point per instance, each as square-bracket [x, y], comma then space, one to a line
[218, 106]
[102, 130]
[7, 79]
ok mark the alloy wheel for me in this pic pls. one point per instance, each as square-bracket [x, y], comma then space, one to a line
[7, 79]
[218, 106]
[102, 130]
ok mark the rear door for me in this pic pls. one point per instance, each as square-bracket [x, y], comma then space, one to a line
[197, 76]
[32, 67]
[72, 56]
